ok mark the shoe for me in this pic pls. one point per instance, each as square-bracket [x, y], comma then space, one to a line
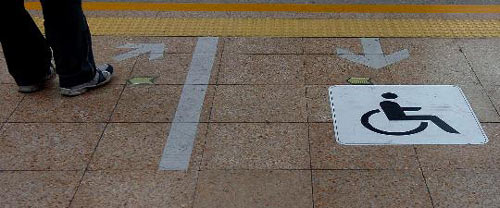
[38, 86]
[102, 76]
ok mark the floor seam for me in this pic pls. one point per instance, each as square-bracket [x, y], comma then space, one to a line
[100, 138]
[423, 177]
[310, 165]
[479, 80]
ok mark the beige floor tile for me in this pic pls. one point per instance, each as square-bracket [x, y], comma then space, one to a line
[38, 188]
[380, 188]
[10, 99]
[420, 46]
[261, 69]
[464, 188]
[463, 156]
[494, 94]
[318, 104]
[326, 153]
[50, 106]
[259, 103]
[127, 146]
[136, 189]
[154, 103]
[257, 146]
[254, 188]
[484, 57]
[328, 46]
[330, 70]
[48, 146]
[481, 103]
[172, 69]
[251, 45]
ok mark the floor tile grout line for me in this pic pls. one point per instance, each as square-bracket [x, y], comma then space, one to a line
[247, 169]
[423, 176]
[6, 121]
[304, 82]
[98, 141]
[169, 122]
[310, 164]
[479, 80]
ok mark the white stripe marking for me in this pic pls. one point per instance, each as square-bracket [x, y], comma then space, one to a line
[180, 141]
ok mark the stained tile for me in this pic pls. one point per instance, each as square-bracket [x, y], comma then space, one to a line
[47, 146]
[5, 77]
[254, 188]
[251, 45]
[484, 57]
[49, 106]
[330, 70]
[326, 153]
[318, 104]
[463, 156]
[154, 103]
[328, 46]
[10, 99]
[136, 189]
[172, 69]
[135, 146]
[261, 69]
[380, 188]
[257, 146]
[464, 188]
[259, 103]
[38, 188]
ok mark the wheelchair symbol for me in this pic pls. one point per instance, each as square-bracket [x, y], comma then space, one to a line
[395, 112]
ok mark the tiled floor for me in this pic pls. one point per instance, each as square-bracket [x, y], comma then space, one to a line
[265, 139]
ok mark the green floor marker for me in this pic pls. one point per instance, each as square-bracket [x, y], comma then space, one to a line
[142, 80]
[360, 81]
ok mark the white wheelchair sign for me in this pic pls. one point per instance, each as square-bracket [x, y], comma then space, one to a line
[403, 114]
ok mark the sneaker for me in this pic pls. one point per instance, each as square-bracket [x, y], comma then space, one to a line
[102, 76]
[38, 86]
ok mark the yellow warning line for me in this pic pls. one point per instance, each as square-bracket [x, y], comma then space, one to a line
[326, 8]
[267, 27]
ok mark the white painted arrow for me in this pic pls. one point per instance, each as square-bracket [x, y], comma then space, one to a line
[155, 51]
[373, 56]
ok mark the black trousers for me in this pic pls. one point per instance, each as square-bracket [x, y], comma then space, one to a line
[28, 54]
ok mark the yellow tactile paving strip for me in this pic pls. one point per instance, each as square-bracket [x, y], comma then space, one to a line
[337, 8]
[269, 27]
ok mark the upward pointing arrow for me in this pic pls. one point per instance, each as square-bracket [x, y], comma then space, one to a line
[373, 55]
[155, 51]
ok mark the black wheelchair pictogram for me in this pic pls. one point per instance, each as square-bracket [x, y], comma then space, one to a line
[395, 112]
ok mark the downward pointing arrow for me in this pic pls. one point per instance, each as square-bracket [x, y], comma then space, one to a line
[155, 51]
[373, 55]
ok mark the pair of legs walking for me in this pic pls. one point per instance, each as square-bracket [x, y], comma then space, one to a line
[28, 54]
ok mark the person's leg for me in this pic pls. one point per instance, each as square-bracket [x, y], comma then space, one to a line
[26, 51]
[69, 36]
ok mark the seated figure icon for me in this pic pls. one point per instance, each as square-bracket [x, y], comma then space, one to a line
[395, 112]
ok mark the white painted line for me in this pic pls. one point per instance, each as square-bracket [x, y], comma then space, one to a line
[403, 114]
[373, 55]
[180, 141]
[155, 51]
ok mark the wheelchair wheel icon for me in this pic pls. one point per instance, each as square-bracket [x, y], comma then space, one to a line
[365, 120]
